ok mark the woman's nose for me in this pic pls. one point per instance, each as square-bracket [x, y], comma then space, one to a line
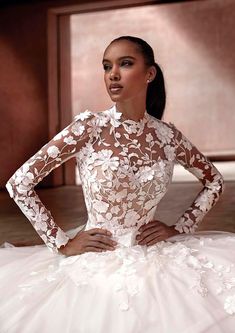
[114, 74]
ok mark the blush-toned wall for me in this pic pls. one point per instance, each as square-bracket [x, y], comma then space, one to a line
[194, 44]
[23, 86]
[23, 83]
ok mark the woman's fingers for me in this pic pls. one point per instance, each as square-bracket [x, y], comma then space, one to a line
[99, 231]
[150, 225]
[96, 240]
[152, 233]
[146, 233]
[93, 249]
[149, 237]
[99, 239]
[102, 236]
[100, 245]
[104, 240]
[155, 240]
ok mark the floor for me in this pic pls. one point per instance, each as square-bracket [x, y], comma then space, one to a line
[68, 209]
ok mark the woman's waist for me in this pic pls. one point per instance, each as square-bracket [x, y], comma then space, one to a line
[122, 234]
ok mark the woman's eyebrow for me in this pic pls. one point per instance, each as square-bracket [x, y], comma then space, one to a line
[123, 57]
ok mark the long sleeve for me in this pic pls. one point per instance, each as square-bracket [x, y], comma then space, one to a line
[21, 185]
[196, 163]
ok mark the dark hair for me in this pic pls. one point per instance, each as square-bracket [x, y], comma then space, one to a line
[156, 94]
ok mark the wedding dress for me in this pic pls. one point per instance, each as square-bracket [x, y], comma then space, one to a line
[185, 284]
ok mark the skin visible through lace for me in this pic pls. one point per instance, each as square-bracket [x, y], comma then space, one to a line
[125, 158]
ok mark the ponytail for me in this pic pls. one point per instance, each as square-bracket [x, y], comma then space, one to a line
[156, 95]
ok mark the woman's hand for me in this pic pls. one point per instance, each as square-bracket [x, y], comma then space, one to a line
[153, 232]
[93, 240]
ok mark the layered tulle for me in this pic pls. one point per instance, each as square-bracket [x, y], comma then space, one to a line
[185, 284]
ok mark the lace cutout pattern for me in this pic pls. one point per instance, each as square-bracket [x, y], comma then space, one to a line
[21, 185]
[125, 167]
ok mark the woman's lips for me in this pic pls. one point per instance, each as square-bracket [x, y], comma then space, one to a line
[115, 88]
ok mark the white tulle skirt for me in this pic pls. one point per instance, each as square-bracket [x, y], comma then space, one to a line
[183, 285]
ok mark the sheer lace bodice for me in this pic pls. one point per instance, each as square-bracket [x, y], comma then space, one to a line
[125, 168]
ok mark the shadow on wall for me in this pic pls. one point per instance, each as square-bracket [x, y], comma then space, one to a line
[23, 85]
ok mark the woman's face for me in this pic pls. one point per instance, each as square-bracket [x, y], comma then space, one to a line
[125, 73]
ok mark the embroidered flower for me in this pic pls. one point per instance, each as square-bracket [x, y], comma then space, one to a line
[53, 151]
[101, 119]
[229, 305]
[131, 196]
[39, 216]
[159, 169]
[88, 149]
[40, 225]
[60, 135]
[100, 206]
[184, 224]
[23, 178]
[131, 218]
[149, 137]
[186, 143]
[204, 201]
[70, 140]
[164, 133]
[83, 115]
[115, 210]
[104, 159]
[169, 152]
[145, 174]
[78, 129]
[130, 127]
[117, 196]
[114, 117]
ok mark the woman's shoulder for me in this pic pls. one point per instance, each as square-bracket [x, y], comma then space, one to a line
[91, 114]
[159, 123]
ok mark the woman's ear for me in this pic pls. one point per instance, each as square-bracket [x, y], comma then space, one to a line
[152, 72]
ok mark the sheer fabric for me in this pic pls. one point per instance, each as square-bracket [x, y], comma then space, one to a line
[125, 167]
[184, 284]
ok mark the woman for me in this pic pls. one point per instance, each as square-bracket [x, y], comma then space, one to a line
[126, 272]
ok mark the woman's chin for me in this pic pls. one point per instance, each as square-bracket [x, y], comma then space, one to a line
[115, 98]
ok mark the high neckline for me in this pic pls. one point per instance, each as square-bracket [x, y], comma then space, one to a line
[125, 119]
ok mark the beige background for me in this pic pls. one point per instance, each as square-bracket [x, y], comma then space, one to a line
[194, 44]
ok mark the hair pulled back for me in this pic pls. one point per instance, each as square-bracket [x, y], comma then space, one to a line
[156, 94]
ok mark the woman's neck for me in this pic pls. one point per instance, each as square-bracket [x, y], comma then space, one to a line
[130, 110]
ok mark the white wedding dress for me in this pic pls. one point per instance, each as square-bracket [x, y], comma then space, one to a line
[185, 284]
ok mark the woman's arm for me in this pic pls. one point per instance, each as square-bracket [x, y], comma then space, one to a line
[196, 163]
[21, 185]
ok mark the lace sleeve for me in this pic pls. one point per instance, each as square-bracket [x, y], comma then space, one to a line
[21, 185]
[196, 163]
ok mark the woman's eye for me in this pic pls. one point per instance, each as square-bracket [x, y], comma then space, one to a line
[126, 63]
[106, 67]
